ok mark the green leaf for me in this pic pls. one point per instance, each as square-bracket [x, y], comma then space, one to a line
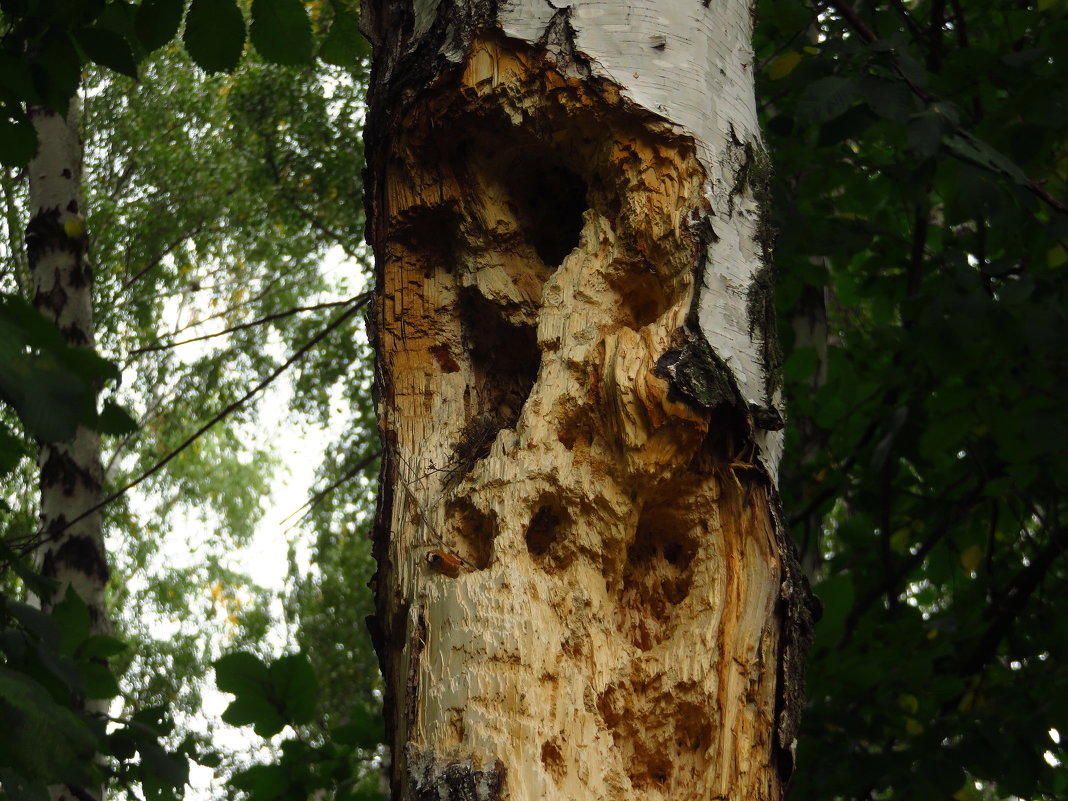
[72, 616]
[89, 364]
[801, 364]
[115, 420]
[40, 624]
[209, 759]
[18, 139]
[40, 738]
[49, 401]
[262, 782]
[836, 596]
[57, 69]
[365, 730]
[344, 45]
[108, 49]
[118, 17]
[281, 31]
[974, 150]
[12, 450]
[892, 100]
[157, 22]
[99, 680]
[925, 133]
[151, 722]
[258, 711]
[214, 34]
[165, 768]
[101, 646]
[242, 673]
[294, 682]
[17, 79]
[882, 450]
[18, 788]
[122, 745]
[826, 98]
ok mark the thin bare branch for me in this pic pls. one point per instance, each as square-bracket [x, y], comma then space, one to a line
[38, 538]
[251, 324]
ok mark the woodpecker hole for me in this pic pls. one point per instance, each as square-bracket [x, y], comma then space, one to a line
[474, 534]
[550, 200]
[552, 759]
[504, 356]
[656, 576]
[544, 537]
[643, 298]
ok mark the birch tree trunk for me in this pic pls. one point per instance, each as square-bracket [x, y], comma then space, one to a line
[584, 588]
[72, 551]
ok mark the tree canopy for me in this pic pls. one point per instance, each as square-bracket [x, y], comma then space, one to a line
[918, 202]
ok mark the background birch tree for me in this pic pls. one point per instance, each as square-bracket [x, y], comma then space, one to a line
[584, 586]
[245, 166]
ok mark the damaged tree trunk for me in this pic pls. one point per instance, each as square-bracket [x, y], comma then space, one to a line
[584, 588]
[72, 549]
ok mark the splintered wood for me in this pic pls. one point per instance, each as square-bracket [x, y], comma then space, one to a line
[608, 629]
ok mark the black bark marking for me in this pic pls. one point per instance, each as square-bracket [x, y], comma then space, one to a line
[79, 553]
[60, 468]
[797, 611]
[457, 780]
[767, 417]
[74, 335]
[763, 325]
[53, 300]
[698, 374]
[44, 233]
[416, 644]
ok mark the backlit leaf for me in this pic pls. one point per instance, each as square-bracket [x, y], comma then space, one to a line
[214, 34]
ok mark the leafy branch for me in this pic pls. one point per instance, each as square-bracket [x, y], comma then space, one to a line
[969, 149]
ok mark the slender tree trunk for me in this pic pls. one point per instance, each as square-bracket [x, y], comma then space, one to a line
[72, 553]
[584, 590]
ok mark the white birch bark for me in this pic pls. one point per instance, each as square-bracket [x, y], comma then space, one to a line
[72, 548]
[584, 588]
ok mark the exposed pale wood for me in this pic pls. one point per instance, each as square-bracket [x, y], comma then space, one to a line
[613, 632]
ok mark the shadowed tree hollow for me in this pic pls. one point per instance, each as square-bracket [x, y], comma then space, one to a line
[584, 590]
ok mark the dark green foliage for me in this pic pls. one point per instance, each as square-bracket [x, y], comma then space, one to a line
[253, 170]
[48, 663]
[281, 31]
[157, 21]
[44, 47]
[344, 45]
[51, 385]
[268, 697]
[919, 194]
[214, 34]
[283, 693]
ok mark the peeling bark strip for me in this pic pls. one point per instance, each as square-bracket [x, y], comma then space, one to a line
[70, 472]
[577, 406]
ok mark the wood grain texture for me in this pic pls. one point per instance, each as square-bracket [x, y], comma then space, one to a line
[540, 239]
